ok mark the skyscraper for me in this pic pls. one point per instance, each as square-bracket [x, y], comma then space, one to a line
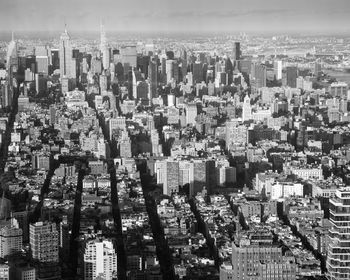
[65, 55]
[100, 260]
[277, 67]
[338, 258]
[292, 74]
[247, 109]
[43, 239]
[12, 55]
[104, 49]
[237, 51]
[258, 75]
[153, 78]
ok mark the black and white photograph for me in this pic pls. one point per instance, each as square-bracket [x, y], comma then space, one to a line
[174, 140]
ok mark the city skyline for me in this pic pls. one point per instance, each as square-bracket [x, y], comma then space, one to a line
[177, 16]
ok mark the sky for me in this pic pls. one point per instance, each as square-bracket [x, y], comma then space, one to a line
[184, 16]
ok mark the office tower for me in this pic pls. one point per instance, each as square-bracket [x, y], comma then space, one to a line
[258, 75]
[197, 72]
[170, 55]
[129, 55]
[55, 59]
[277, 68]
[169, 70]
[237, 51]
[172, 178]
[292, 74]
[52, 114]
[65, 56]
[318, 68]
[31, 63]
[10, 239]
[338, 258]
[40, 83]
[125, 145]
[28, 75]
[199, 176]
[43, 239]
[103, 82]
[6, 94]
[247, 109]
[106, 56]
[12, 56]
[176, 71]
[100, 260]
[42, 64]
[153, 78]
[156, 147]
[191, 113]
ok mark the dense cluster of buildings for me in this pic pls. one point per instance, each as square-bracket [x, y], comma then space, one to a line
[241, 161]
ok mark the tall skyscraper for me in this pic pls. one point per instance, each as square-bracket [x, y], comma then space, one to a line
[258, 75]
[237, 51]
[66, 55]
[292, 74]
[247, 109]
[153, 78]
[277, 68]
[100, 260]
[169, 70]
[43, 239]
[12, 55]
[338, 258]
[106, 56]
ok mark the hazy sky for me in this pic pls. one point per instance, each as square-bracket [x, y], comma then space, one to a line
[177, 15]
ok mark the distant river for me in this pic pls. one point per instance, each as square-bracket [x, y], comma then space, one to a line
[339, 75]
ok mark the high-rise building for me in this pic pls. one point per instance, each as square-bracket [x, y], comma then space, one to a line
[258, 75]
[106, 55]
[247, 109]
[42, 64]
[237, 51]
[153, 78]
[43, 239]
[291, 75]
[169, 70]
[64, 237]
[277, 68]
[172, 182]
[191, 113]
[12, 56]
[10, 239]
[318, 69]
[338, 257]
[125, 145]
[66, 56]
[197, 70]
[100, 260]
[129, 55]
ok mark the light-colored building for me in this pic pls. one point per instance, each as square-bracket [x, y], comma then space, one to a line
[100, 260]
[43, 239]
